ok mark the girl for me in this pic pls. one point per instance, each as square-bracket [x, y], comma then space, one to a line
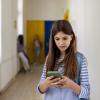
[63, 57]
[37, 49]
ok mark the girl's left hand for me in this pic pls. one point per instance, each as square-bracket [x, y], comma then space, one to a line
[65, 82]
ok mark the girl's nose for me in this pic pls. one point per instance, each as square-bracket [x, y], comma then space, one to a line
[61, 42]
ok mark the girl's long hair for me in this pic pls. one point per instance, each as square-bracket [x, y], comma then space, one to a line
[70, 63]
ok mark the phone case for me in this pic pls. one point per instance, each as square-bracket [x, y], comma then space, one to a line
[53, 73]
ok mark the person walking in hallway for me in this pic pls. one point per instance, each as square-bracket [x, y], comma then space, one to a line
[22, 54]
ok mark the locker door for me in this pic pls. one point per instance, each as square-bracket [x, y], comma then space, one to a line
[35, 27]
[48, 25]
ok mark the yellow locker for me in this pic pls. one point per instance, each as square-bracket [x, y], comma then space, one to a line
[35, 27]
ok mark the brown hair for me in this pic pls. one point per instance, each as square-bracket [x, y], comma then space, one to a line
[70, 63]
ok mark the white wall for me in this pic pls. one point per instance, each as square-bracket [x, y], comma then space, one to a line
[8, 66]
[0, 30]
[0, 42]
[45, 9]
[85, 20]
[77, 21]
[92, 47]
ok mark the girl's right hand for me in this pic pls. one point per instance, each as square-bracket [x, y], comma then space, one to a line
[49, 82]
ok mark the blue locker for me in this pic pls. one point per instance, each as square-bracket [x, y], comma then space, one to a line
[48, 25]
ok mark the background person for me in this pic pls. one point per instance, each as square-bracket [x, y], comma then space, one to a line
[22, 54]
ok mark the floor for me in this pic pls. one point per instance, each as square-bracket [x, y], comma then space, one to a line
[24, 86]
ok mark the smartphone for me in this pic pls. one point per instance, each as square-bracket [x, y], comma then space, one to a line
[54, 73]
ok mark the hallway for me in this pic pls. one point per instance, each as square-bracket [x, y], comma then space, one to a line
[23, 86]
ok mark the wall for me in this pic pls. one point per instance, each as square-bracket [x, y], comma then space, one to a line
[92, 47]
[85, 20]
[8, 63]
[0, 30]
[0, 43]
[45, 9]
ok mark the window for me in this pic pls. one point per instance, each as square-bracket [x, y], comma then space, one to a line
[20, 17]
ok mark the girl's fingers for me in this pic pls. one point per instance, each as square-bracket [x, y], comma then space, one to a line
[56, 84]
[63, 77]
[49, 78]
[62, 80]
[55, 80]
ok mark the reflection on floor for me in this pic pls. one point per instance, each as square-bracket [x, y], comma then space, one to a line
[24, 86]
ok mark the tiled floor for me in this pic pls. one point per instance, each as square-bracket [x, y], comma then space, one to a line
[24, 86]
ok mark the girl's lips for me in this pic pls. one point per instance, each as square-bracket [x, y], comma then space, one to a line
[62, 46]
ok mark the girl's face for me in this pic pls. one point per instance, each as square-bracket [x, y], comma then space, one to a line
[62, 41]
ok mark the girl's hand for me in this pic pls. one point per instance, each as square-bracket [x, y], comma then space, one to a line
[65, 82]
[49, 82]
[68, 83]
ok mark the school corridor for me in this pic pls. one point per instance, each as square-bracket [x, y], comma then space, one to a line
[32, 18]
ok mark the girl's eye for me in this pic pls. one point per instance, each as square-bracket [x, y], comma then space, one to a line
[57, 39]
[64, 38]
